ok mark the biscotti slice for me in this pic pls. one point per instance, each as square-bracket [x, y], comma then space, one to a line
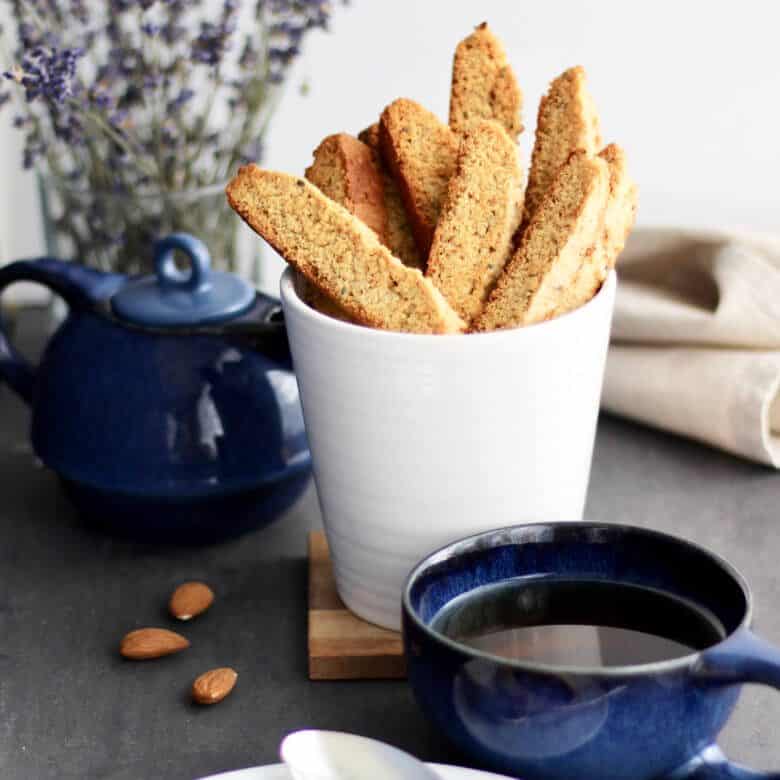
[542, 280]
[399, 239]
[473, 238]
[618, 221]
[621, 205]
[346, 171]
[321, 302]
[421, 152]
[484, 85]
[335, 251]
[567, 121]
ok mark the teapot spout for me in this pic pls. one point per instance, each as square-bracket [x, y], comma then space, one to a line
[78, 285]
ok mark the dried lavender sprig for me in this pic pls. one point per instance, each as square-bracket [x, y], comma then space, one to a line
[301, 16]
[116, 98]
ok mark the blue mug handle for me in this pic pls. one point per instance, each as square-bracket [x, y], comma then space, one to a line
[742, 658]
[79, 286]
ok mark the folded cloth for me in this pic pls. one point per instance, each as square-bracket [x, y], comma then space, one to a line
[696, 338]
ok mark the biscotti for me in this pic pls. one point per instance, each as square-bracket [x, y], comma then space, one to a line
[484, 85]
[473, 238]
[399, 238]
[344, 169]
[567, 121]
[618, 221]
[320, 301]
[423, 227]
[335, 251]
[621, 205]
[543, 278]
[421, 153]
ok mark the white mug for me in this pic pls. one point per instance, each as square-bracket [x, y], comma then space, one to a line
[419, 440]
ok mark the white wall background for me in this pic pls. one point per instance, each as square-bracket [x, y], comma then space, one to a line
[691, 90]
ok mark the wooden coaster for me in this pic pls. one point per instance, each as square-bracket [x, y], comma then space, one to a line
[341, 645]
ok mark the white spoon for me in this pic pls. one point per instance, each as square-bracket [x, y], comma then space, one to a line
[334, 755]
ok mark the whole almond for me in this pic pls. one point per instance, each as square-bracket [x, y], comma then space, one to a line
[190, 599]
[145, 643]
[214, 685]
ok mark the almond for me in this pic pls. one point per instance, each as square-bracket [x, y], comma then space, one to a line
[190, 599]
[214, 685]
[151, 643]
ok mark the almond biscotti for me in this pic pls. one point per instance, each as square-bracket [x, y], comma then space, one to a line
[399, 239]
[618, 221]
[421, 152]
[321, 302]
[344, 169]
[335, 251]
[544, 277]
[473, 238]
[567, 120]
[621, 205]
[484, 85]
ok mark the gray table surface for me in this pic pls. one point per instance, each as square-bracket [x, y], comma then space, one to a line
[70, 707]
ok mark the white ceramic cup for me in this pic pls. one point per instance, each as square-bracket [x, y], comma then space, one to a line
[420, 440]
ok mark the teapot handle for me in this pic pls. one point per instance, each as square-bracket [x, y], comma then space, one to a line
[80, 287]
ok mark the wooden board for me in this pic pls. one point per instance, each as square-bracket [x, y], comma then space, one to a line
[341, 645]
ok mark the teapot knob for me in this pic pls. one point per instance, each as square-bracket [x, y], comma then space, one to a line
[169, 276]
[175, 297]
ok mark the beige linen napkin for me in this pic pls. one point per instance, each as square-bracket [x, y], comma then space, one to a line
[696, 338]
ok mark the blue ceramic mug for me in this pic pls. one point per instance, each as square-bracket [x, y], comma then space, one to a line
[541, 721]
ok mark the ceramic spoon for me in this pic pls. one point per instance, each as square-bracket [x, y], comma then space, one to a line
[334, 755]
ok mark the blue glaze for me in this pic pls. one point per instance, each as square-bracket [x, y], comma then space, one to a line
[81, 287]
[172, 298]
[166, 435]
[542, 722]
[182, 520]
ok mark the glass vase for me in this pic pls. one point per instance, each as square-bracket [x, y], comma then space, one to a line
[115, 231]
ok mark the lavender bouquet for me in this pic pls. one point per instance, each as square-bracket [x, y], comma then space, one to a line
[135, 113]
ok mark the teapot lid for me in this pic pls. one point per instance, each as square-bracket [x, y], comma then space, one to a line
[175, 298]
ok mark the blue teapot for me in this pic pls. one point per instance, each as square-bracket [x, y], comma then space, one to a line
[167, 405]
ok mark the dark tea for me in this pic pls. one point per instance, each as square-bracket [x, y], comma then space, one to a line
[577, 622]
